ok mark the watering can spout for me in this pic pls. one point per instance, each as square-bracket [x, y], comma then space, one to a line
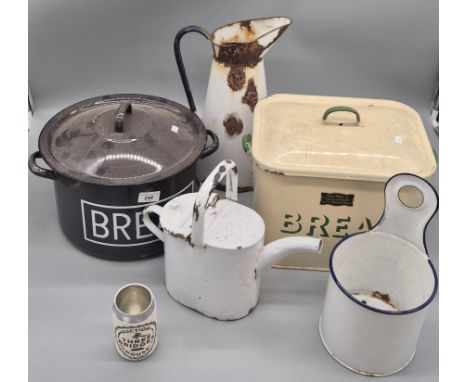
[278, 249]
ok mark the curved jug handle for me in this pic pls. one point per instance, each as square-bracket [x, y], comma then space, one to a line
[149, 223]
[403, 221]
[180, 62]
[226, 168]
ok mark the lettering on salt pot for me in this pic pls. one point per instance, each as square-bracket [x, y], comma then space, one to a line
[135, 322]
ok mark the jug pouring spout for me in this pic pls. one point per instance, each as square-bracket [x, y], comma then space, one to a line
[276, 250]
[246, 42]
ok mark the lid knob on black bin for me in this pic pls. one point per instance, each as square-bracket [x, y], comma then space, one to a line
[124, 109]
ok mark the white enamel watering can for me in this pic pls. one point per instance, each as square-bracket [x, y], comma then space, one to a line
[214, 253]
[381, 284]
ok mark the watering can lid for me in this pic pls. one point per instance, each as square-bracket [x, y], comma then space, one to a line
[228, 225]
[337, 137]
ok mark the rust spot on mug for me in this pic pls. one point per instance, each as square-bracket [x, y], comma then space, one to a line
[236, 77]
[233, 124]
[381, 296]
[251, 96]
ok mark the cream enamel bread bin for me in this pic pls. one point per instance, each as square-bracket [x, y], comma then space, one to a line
[321, 163]
[213, 248]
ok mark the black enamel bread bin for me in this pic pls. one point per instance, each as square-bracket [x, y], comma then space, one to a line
[112, 156]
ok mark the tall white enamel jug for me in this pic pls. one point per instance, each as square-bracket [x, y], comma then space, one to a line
[236, 83]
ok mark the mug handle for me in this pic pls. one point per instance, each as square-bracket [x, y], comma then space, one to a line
[404, 221]
[180, 62]
[149, 223]
[226, 168]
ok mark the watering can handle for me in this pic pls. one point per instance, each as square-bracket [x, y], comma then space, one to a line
[180, 62]
[226, 168]
[405, 221]
[155, 209]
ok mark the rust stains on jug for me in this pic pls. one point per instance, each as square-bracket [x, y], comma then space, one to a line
[240, 54]
[233, 124]
[237, 54]
[236, 77]
[246, 24]
[243, 50]
[251, 96]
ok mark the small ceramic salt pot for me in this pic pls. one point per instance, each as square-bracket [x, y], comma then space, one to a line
[135, 322]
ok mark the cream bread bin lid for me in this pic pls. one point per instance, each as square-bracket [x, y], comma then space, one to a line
[361, 139]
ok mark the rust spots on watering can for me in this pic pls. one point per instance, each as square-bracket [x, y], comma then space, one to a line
[188, 238]
[196, 211]
[213, 202]
[251, 96]
[233, 124]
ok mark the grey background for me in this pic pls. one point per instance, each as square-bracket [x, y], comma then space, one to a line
[83, 48]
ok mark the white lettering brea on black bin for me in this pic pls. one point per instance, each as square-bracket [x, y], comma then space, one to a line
[119, 226]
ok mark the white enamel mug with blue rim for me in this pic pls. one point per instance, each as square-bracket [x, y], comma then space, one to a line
[381, 284]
